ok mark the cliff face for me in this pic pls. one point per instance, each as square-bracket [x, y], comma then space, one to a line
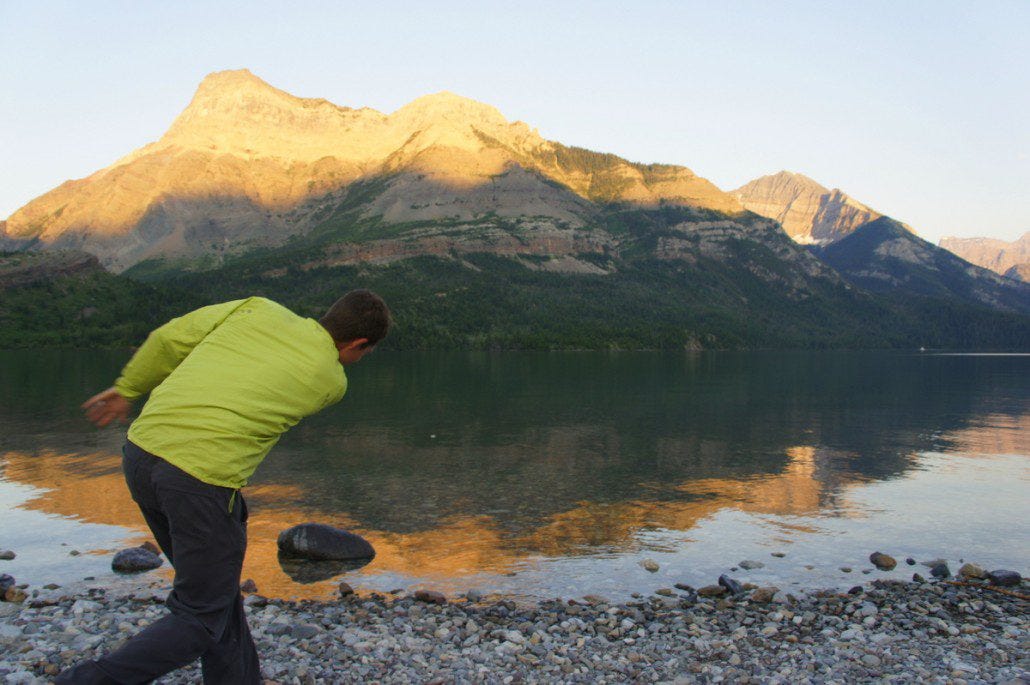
[246, 164]
[1011, 259]
[808, 212]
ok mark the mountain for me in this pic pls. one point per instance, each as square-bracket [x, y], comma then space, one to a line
[883, 256]
[1011, 259]
[808, 212]
[478, 232]
[247, 165]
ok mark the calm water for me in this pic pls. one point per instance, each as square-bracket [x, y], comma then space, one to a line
[548, 475]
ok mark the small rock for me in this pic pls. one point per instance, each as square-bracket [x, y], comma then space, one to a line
[1004, 578]
[882, 561]
[430, 597]
[135, 560]
[474, 596]
[14, 594]
[665, 592]
[871, 660]
[74, 553]
[6, 581]
[711, 591]
[940, 571]
[730, 584]
[972, 571]
[918, 578]
[764, 595]
[345, 589]
[7, 555]
[779, 555]
[305, 631]
[248, 586]
[856, 590]
[749, 564]
[650, 565]
[845, 569]
[684, 587]
[255, 601]
[910, 561]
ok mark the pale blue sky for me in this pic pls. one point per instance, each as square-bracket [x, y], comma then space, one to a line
[919, 109]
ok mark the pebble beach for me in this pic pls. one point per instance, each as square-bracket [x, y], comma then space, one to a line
[927, 631]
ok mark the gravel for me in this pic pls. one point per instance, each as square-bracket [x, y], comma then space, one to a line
[887, 631]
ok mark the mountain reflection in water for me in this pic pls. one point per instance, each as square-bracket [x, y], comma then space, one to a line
[464, 466]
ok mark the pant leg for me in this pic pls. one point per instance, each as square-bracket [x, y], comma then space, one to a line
[204, 534]
[234, 658]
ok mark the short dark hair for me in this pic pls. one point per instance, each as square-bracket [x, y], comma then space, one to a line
[358, 314]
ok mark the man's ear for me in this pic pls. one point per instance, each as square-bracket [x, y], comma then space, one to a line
[356, 344]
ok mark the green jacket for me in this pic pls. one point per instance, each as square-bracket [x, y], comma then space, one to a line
[225, 382]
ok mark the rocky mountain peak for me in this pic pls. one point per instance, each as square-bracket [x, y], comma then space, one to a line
[808, 211]
[448, 105]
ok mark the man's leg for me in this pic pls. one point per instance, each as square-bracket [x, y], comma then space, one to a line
[206, 533]
[234, 658]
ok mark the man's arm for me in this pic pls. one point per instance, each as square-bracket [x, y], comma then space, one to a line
[163, 350]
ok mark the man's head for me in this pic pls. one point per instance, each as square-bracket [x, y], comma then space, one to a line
[357, 322]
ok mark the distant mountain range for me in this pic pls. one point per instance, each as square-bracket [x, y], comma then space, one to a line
[484, 234]
[1010, 259]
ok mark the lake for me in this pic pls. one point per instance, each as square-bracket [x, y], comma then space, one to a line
[557, 474]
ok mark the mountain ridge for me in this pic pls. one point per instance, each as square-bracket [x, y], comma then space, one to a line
[246, 164]
[884, 256]
[1009, 258]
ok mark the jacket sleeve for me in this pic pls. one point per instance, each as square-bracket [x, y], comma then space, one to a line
[166, 347]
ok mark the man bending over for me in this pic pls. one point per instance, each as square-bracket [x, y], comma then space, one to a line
[225, 382]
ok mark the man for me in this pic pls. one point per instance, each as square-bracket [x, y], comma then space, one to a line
[225, 382]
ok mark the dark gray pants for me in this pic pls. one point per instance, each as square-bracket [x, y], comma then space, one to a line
[202, 529]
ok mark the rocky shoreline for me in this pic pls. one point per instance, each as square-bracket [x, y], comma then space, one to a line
[939, 631]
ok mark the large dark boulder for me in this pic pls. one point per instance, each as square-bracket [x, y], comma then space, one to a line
[135, 560]
[319, 542]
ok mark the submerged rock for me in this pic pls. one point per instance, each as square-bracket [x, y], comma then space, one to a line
[882, 561]
[7, 555]
[135, 560]
[320, 542]
[312, 571]
[749, 564]
[650, 565]
[940, 570]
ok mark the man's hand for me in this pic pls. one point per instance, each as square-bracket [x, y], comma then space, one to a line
[105, 407]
